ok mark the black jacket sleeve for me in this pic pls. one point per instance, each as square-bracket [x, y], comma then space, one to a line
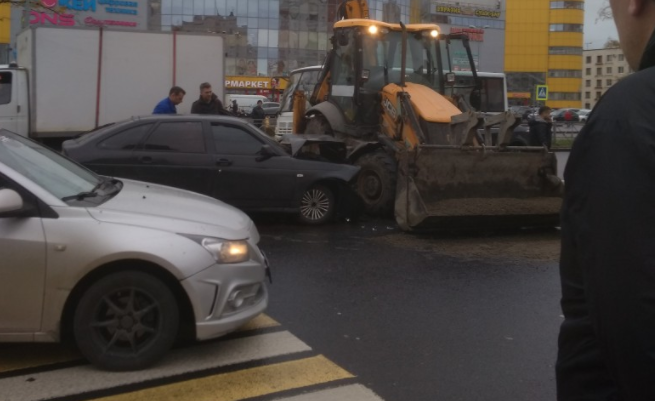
[195, 108]
[607, 341]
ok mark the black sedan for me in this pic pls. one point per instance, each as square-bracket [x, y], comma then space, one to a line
[223, 157]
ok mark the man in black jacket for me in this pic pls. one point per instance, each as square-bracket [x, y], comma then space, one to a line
[258, 114]
[541, 128]
[607, 340]
[208, 102]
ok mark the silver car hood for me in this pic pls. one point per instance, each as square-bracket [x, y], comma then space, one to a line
[174, 210]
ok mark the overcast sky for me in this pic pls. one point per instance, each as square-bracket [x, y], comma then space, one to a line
[596, 33]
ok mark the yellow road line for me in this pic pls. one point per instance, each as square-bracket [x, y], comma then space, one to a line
[22, 356]
[260, 322]
[245, 383]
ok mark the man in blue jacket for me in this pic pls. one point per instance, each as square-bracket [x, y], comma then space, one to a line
[607, 268]
[167, 105]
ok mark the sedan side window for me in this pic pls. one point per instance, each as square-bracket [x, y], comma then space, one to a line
[126, 140]
[233, 140]
[183, 137]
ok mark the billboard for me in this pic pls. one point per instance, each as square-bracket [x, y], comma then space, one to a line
[85, 13]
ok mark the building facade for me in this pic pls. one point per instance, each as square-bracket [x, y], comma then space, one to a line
[543, 46]
[602, 69]
[5, 33]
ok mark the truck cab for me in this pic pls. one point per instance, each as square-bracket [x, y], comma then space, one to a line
[14, 99]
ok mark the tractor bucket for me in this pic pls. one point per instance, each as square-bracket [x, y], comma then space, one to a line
[471, 187]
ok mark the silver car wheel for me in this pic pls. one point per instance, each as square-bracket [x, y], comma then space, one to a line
[316, 205]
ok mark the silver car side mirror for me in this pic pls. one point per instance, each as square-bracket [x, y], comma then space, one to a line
[10, 201]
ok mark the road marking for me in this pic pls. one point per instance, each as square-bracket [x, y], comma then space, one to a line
[25, 356]
[22, 356]
[59, 383]
[353, 392]
[260, 322]
[245, 383]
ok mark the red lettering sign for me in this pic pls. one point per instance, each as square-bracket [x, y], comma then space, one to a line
[43, 18]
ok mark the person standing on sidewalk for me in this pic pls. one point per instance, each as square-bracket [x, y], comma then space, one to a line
[541, 128]
[167, 105]
[607, 268]
[208, 103]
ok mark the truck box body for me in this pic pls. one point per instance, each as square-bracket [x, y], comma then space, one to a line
[83, 78]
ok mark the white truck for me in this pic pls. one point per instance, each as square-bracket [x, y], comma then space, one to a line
[71, 80]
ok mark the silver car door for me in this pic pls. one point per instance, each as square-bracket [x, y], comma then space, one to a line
[22, 274]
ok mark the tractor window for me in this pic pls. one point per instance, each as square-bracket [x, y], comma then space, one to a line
[343, 73]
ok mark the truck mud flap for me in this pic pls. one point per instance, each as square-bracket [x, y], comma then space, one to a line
[462, 188]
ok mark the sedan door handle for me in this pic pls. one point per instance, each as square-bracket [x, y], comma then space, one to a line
[145, 159]
[224, 162]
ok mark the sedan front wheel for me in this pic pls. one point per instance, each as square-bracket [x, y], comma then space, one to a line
[317, 205]
[126, 321]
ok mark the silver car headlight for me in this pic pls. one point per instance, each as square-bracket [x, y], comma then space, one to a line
[223, 251]
[227, 251]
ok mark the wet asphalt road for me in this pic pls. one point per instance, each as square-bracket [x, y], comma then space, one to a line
[422, 318]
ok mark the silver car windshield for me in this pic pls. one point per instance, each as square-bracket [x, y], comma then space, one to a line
[52, 172]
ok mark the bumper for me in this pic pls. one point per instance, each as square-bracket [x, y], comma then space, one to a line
[225, 296]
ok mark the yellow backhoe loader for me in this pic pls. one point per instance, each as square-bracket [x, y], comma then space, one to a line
[424, 152]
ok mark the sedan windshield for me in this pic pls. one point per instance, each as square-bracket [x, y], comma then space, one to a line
[52, 172]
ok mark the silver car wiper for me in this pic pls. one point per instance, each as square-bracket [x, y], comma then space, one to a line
[87, 194]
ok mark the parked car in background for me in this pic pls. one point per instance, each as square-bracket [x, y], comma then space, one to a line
[224, 157]
[121, 267]
[583, 114]
[560, 115]
[271, 108]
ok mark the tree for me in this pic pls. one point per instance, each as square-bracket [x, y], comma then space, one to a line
[605, 12]
[612, 44]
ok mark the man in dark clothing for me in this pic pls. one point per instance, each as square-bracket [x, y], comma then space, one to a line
[208, 102]
[607, 340]
[258, 114]
[541, 128]
[235, 107]
[167, 105]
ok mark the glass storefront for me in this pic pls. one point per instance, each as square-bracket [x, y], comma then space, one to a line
[267, 37]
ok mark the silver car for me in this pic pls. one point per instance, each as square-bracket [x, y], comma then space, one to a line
[123, 268]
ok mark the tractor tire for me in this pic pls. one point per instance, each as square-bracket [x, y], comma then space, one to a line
[376, 182]
[318, 125]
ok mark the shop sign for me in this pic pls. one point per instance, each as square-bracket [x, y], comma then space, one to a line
[90, 13]
[259, 83]
[474, 34]
[519, 95]
[467, 10]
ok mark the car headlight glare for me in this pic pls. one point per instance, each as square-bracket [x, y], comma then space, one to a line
[227, 251]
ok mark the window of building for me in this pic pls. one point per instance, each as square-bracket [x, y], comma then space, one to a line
[609, 82]
[566, 27]
[621, 57]
[587, 95]
[565, 73]
[524, 81]
[588, 59]
[588, 71]
[599, 71]
[565, 96]
[609, 70]
[588, 83]
[578, 5]
[587, 105]
[5, 87]
[598, 95]
[599, 59]
[183, 137]
[621, 70]
[599, 83]
[566, 50]
[608, 58]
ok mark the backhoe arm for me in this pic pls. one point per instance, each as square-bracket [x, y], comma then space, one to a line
[351, 9]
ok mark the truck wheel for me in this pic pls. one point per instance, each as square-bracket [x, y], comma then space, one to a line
[376, 182]
[317, 205]
[318, 125]
[126, 321]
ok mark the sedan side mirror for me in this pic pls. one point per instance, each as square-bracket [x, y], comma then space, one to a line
[10, 202]
[265, 153]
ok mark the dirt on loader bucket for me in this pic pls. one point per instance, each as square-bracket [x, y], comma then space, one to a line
[451, 188]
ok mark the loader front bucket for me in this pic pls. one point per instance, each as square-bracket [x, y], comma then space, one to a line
[451, 188]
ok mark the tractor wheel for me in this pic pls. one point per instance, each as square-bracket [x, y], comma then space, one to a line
[376, 182]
